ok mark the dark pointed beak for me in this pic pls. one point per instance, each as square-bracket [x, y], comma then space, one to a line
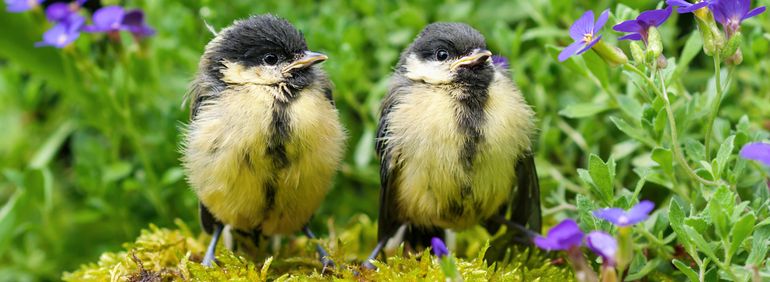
[308, 59]
[475, 58]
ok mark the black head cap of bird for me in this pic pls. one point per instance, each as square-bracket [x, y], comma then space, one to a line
[446, 53]
[262, 49]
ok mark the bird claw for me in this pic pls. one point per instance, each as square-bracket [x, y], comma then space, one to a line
[328, 264]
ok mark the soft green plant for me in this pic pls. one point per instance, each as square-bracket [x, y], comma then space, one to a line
[166, 254]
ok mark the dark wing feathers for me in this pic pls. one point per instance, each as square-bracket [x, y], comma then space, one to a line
[389, 221]
[526, 209]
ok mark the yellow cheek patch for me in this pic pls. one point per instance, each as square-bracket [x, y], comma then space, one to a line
[235, 73]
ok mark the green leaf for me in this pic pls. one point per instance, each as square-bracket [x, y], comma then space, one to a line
[701, 243]
[664, 158]
[759, 246]
[8, 221]
[723, 155]
[630, 106]
[603, 176]
[51, 145]
[116, 171]
[691, 49]
[582, 110]
[676, 217]
[646, 269]
[172, 175]
[365, 148]
[632, 131]
[740, 231]
[686, 270]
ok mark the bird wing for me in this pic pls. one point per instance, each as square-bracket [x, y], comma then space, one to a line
[389, 221]
[199, 92]
[526, 204]
[525, 210]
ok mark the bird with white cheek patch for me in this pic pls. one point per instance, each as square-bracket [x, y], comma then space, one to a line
[454, 143]
[264, 139]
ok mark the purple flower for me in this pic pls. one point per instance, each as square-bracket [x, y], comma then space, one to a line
[134, 22]
[438, 247]
[686, 7]
[63, 33]
[107, 19]
[501, 62]
[730, 13]
[603, 245]
[757, 151]
[18, 6]
[563, 236]
[583, 31]
[61, 11]
[638, 27]
[619, 217]
[115, 18]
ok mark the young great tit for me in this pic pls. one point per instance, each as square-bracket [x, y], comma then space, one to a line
[264, 138]
[454, 142]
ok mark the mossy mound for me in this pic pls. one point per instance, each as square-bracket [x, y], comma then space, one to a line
[161, 254]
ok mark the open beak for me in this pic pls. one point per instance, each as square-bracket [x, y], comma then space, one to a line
[475, 58]
[310, 58]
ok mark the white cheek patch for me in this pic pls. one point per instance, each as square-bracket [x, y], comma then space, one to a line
[432, 72]
[236, 73]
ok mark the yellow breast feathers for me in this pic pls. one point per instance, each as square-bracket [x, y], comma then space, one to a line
[232, 170]
[434, 187]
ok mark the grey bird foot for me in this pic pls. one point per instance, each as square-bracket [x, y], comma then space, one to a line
[210, 257]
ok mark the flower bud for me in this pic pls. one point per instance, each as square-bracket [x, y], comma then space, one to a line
[608, 274]
[625, 247]
[710, 33]
[654, 43]
[732, 46]
[735, 59]
[636, 52]
[661, 62]
[611, 54]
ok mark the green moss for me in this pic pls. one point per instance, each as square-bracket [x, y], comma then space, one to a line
[161, 254]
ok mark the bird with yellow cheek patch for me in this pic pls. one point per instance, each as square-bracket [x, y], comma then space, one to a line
[454, 142]
[264, 139]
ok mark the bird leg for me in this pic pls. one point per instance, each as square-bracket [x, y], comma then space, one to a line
[210, 256]
[377, 249]
[515, 226]
[326, 260]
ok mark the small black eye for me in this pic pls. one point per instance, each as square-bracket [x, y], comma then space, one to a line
[442, 55]
[270, 59]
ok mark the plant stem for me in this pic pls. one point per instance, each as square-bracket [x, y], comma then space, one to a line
[672, 124]
[714, 104]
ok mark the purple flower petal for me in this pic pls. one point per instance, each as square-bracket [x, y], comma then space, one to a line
[619, 217]
[570, 50]
[58, 11]
[603, 245]
[106, 19]
[60, 35]
[18, 6]
[501, 62]
[628, 26]
[438, 248]
[686, 7]
[582, 26]
[757, 151]
[563, 236]
[133, 21]
[654, 17]
[756, 11]
[601, 20]
[633, 36]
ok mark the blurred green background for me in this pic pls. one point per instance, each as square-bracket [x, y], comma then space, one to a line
[89, 135]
